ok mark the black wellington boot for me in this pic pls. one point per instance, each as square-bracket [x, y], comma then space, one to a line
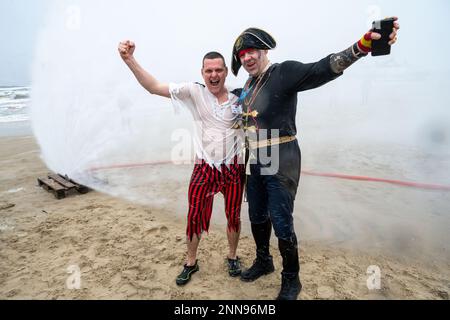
[263, 263]
[290, 280]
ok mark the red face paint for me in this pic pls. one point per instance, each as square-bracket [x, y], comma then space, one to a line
[244, 51]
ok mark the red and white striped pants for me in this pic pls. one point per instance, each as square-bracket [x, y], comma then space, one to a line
[206, 182]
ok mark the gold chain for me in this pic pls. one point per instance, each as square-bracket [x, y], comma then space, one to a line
[255, 92]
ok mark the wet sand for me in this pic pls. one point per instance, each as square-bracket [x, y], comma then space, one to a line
[130, 251]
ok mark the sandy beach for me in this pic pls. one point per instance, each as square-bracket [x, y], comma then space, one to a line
[129, 251]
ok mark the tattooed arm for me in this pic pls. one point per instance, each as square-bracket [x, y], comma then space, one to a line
[342, 60]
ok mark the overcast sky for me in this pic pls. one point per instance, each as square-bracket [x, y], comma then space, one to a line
[425, 24]
[19, 24]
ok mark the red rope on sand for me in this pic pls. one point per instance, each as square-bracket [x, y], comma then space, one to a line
[129, 165]
[309, 173]
[397, 182]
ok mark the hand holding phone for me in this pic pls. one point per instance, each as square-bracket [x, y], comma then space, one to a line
[384, 27]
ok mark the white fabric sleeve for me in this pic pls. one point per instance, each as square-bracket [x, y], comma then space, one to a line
[181, 96]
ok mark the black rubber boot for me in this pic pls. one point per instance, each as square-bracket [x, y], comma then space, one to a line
[290, 280]
[263, 263]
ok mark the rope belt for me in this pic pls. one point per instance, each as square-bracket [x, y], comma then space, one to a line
[271, 142]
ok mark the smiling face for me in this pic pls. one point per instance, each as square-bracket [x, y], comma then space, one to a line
[254, 61]
[214, 73]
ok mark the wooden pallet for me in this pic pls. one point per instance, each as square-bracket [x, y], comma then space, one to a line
[60, 185]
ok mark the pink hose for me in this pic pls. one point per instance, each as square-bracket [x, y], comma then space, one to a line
[397, 182]
[309, 173]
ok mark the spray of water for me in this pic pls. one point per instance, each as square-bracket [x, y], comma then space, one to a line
[387, 117]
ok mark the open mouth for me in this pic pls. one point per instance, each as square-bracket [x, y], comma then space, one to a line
[214, 83]
[251, 64]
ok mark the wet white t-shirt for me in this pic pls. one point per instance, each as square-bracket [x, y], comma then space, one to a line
[215, 140]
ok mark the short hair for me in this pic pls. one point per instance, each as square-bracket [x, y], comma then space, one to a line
[214, 55]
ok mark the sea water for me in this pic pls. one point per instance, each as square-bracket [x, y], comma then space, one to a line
[14, 111]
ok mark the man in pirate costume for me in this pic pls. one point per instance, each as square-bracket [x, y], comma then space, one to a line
[219, 164]
[269, 101]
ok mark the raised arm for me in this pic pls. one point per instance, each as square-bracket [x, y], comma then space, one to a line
[342, 60]
[150, 83]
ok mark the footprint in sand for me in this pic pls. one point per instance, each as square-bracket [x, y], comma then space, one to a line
[96, 206]
[157, 231]
[152, 231]
[12, 293]
[6, 205]
[136, 230]
[325, 292]
[6, 227]
[441, 294]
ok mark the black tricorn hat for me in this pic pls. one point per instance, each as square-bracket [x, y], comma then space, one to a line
[252, 38]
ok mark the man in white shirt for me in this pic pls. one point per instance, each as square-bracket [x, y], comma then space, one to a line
[219, 165]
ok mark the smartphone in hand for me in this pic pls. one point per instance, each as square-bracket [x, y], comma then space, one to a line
[384, 27]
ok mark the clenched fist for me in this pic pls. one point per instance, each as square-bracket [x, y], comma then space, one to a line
[126, 49]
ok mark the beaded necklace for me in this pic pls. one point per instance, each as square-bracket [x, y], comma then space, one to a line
[258, 85]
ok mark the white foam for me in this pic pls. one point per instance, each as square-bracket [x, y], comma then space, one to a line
[14, 118]
[15, 190]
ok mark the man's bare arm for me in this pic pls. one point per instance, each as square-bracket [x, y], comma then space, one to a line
[150, 83]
